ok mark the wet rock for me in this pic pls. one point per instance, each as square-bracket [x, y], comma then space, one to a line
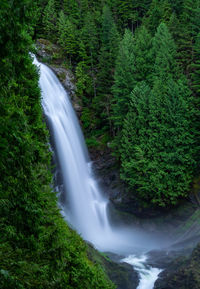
[181, 273]
[46, 50]
[66, 77]
[50, 54]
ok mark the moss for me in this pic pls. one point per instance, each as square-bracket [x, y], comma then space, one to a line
[121, 274]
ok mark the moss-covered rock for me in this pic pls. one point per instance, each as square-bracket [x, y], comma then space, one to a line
[122, 274]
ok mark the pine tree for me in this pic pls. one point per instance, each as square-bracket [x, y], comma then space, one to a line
[89, 35]
[174, 27]
[157, 146]
[160, 11]
[157, 152]
[143, 55]
[164, 51]
[133, 64]
[72, 10]
[67, 36]
[49, 20]
[129, 13]
[107, 57]
[195, 67]
[153, 17]
[177, 6]
[189, 28]
[124, 80]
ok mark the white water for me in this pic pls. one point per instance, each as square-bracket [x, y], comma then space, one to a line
[148, 275]
[85, 207]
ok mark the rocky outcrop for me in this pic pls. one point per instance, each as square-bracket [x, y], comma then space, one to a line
[51, 55]
[182, 273]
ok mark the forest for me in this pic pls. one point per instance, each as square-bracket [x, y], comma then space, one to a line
[137, 74]
[137, 70]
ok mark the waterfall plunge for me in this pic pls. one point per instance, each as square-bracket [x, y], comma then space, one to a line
[86, 207]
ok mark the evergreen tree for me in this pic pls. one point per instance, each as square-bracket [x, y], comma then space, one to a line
[67, 36]
[156, 146]
[107, 57]
[160, 11]
[153, 17]
[124, 80]
[129, 13]
[133, 64]
[189, 28]
[174, 27]
[195, 67]
[143, 55]
[177, 6]
[89, 35]
[72, 10]
[164, 51]
[49, 20]
[157, 151]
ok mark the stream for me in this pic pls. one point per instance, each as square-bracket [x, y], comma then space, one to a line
[82, 203]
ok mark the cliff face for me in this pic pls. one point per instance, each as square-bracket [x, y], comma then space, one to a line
[51, 55]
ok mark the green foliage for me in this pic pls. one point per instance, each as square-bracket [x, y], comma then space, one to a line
[124, 80]
[129, 13]
[67, 35]
[133, 64]
[107, 57]
[156, 147]
[84, 81]
[49, 20]
[38, 249]
[107, 71]
[71, 9]
[195, 66]
[164, 51]
[90, 38]
[156, 144]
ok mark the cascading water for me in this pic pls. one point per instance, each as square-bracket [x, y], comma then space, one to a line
[86, 207]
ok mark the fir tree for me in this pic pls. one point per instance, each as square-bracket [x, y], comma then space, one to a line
[124, 80]
[49, 20]
[160, 11]
[89, 35]
[156, 146]
[195, 66]
[164, 51]
[107, 57]
[133, 64]
[157, 151]
[189, 28]
[67, 37]
[129, 13]
[72, 10]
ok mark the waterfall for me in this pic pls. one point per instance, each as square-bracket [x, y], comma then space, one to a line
[84, 206]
